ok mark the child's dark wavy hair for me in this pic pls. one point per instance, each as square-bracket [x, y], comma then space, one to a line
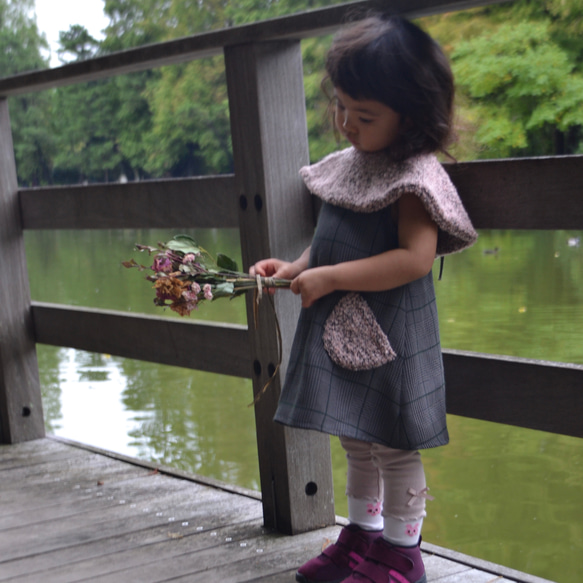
[391, 60]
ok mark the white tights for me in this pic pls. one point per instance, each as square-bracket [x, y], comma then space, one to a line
[386, 490]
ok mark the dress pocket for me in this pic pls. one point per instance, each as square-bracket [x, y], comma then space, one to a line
[353, 338]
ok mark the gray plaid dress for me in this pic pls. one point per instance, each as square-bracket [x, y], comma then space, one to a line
[368, 365]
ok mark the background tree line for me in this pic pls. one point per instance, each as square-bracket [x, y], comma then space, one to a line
[518, 67]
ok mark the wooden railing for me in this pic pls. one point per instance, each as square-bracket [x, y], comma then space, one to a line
[267, 110]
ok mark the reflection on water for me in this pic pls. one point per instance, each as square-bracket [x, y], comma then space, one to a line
[194, 422]
[506, 494]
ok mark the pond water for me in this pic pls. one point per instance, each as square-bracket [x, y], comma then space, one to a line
[508, 495]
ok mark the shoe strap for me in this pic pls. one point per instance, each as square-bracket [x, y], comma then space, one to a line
[355, 541]
[385, 554]
[376, 573]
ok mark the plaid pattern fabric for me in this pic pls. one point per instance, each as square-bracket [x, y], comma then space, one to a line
[400, 404]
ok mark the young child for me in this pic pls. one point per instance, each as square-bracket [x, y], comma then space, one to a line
[366, 361]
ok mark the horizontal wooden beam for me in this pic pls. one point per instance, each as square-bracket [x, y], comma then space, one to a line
[527, 193]
[204, 202]
[524, 193]
[216, 348]
[546, 396]
[300, 25]
[534, 394]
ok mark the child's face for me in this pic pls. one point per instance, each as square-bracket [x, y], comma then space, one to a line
[368, 125]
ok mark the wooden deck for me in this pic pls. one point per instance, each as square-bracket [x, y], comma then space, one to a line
[71, 513]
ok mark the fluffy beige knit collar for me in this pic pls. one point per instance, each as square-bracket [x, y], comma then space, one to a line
[367, 182]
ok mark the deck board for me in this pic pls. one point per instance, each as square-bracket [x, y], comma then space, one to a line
[69, 513]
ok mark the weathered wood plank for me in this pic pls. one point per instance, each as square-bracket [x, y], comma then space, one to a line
[21, 412]
[449, 566]
[144, 547]
[141, 540]
[268, 125]
[529, 193]
[129, 506]
[516, 391]
[85, 541]
[203, 202]
[215, 535]
[272, 565]
[245, 554]
[218, 348]
[159, 468]
[301, 25]
[24, 479]
[55, 490]
[31, 459]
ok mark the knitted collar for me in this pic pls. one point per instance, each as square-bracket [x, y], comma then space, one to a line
[367, 182]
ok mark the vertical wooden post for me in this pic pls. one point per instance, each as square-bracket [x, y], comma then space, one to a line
[21, 414]
[269, 130]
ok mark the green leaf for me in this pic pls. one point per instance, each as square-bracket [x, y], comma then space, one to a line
[184, 244]
[222, 290]
[227, 263]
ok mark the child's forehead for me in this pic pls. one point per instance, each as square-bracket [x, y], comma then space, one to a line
[358, 104]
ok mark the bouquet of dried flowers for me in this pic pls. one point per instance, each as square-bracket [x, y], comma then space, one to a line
[185, 274]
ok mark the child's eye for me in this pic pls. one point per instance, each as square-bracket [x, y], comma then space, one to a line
[364, 120]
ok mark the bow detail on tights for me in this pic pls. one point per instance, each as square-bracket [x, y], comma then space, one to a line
[421, 494]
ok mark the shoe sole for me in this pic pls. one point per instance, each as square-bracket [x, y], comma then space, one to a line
[301, 579]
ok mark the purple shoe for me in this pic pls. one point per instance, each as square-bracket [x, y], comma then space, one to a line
[339, 559]
[386, 563]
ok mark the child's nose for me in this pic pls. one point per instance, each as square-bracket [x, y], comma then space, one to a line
[347, 123]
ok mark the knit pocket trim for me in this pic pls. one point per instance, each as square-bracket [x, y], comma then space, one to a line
[353, 338]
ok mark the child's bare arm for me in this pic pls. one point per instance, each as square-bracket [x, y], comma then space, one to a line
[411, 260]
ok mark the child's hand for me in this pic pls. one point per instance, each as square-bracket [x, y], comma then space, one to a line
[274, 268]
[312, 284]
[281, 269]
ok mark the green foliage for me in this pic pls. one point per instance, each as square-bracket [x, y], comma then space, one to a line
[20, 41]
[20, 50]
[190, 131]
[77, 42]
[85, 118]
[133, 23]
[519, 68]
[522, 84]
[320, 128]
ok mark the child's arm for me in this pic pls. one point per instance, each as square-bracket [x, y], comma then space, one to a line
[411, 260]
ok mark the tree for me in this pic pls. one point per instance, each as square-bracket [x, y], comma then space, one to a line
[519, 88]
[85, 119]
[190, 127]
[190, 124]
[20, 50]
[518, 69]
[524, 89]
[323, 139]
[78, 43]
[133, 23]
